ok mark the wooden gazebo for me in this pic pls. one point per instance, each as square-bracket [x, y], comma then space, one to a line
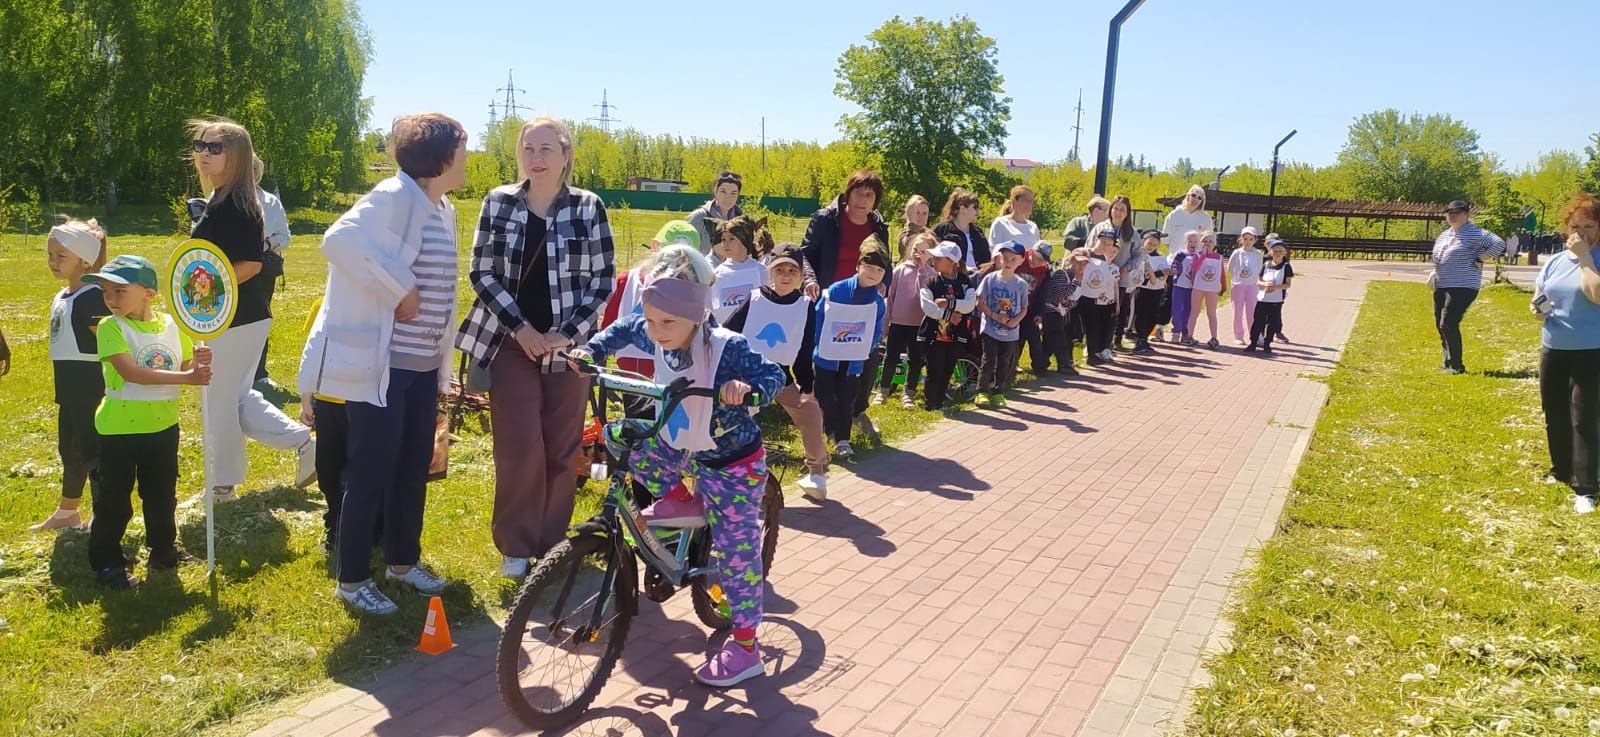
[1233, 210]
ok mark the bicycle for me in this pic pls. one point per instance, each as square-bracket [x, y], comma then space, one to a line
[963, 377]
[586, 589]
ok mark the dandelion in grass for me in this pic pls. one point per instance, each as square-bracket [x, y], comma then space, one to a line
[1562, 713]
[1418, 720]
[1411, 678]
[1430, 669]
[1352, 641]
[1308, 687]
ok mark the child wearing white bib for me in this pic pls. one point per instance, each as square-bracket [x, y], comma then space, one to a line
[76, 249]
[848, 325]
[147, 360]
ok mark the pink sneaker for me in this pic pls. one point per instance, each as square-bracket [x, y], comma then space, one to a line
[669, 512]
[731, 665]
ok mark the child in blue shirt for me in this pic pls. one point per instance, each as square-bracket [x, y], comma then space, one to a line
[849, 323]
[1003, 301]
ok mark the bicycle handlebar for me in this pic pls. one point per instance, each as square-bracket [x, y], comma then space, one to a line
[670, 395]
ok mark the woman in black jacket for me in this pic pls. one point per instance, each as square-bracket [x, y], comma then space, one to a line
[834, 236]
[960, 214]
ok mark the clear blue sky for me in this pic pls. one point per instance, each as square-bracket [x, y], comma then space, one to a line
[1219, 82]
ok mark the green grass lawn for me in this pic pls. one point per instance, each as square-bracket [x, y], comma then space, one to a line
[1425, 580]
[161, 660]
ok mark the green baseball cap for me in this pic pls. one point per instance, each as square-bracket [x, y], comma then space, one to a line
[679, 232]
[126, 269]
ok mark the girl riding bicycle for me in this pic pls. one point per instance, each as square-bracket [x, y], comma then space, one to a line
[718, 445]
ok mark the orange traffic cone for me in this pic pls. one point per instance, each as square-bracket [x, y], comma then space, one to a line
[435, 631]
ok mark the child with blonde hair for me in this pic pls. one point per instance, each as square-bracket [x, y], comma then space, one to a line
[905, 317]
[1210, 279]
[76, 249]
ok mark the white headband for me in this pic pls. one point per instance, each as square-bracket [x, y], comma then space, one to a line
[82, 239]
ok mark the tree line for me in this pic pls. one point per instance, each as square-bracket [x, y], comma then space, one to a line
[94, 94]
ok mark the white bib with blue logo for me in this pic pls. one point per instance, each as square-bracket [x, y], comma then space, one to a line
[847, 332]
[160, 351]
[774, 330]
[689, 427]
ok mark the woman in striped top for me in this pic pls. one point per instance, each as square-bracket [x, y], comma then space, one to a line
[1458, 256]
[381, 342]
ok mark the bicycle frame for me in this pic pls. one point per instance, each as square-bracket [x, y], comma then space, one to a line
[619, 519]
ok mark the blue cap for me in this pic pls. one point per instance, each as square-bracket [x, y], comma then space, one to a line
[126, 269]
[1012, 247]
[1044, 248]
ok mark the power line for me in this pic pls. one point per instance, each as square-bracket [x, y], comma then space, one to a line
[605, 120]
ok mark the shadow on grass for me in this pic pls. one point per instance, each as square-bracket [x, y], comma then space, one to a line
[278, 395]
[1522, 373]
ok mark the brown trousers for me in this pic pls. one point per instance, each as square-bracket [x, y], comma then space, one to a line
[537, 420]
[807, 415]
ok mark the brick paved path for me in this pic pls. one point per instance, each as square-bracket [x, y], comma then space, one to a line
[1054, 569]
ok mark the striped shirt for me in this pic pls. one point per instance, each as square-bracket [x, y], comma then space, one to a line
[1458, 255]
[417, 341]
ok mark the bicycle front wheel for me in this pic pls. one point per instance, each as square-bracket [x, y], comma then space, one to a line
[706, 592]
[964, 380]
[566, 630]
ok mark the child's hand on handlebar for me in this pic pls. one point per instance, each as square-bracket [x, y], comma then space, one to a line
[734, 392]
[577, 357]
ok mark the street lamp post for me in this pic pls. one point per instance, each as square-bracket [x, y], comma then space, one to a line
[1108, 94]
[1272, 191]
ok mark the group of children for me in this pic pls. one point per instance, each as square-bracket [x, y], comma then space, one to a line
[1200, 276]
[119, 366]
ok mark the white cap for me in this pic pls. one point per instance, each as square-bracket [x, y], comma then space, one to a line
[82, 239]
[1250, 230]
[947, 250]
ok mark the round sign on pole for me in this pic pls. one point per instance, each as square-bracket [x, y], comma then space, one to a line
[202, 289]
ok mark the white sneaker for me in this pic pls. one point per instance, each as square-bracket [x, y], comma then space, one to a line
[1240, 342]
[908, 401]
[367, 599]
[514, 568]
[1108, 355]
[418, 578]
[305, 469]
[877, 397]
[1582, 504]
[814, 486]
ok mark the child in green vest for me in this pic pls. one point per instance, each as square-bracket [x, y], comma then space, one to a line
[146, 361]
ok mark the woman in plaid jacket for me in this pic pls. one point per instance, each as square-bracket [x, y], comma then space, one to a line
[541, 282]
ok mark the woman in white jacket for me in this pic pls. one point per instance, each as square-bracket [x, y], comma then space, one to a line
[1190, 215]
[382, 342]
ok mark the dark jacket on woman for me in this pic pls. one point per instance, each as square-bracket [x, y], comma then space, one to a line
[821, 241]
[947, 231]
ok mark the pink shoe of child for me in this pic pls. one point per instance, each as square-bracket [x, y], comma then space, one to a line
[671, 511]
[731, 666]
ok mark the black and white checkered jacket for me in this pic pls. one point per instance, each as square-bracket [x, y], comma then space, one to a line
[582, 273]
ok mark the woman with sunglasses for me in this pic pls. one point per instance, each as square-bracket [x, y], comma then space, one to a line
[232, 219]
[1189, 215]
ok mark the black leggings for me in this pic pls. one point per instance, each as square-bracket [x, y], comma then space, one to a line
[1146, 311]
[836, 392]
[902, 339]
[1569, 389]
[1098, 322]
[1265, 323]
[1449, 306]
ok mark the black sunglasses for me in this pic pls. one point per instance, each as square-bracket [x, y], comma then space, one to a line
[212, 148]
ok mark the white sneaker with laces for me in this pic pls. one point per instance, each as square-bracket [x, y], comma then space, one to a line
[418, 578]
[514, 568]
[1582, 504]
[306, 464]
[877, 397]
[366, 598]
[814, 487]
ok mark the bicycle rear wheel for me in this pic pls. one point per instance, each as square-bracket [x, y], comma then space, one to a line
[706, 591]
[964, 380]
[553, 659]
